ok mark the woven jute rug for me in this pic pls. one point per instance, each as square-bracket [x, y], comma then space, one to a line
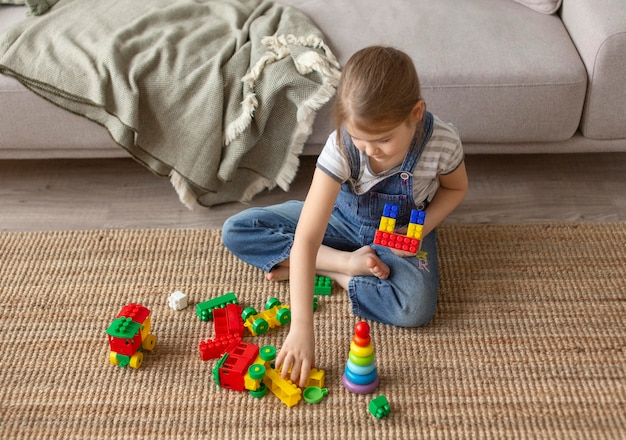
[529, 340]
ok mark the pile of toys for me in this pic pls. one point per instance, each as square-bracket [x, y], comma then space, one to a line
[243, 366]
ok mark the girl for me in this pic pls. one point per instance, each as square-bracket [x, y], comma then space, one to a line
[386, 149]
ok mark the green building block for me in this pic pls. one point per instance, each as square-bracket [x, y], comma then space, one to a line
[379, 407]
[323, 285]
[204, 310]
[124, 328]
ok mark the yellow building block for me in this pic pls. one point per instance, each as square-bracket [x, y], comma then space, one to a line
[387, 224]
[316, 378]
[284, 389]
[415, 231]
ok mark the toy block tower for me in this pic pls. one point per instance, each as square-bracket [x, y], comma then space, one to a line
[360, 375]
[385, 235]
[416, 224]
[388, 219]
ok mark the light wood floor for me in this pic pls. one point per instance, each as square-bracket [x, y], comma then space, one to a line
[119, 193]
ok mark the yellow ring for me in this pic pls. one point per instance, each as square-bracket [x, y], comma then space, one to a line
[361, 351]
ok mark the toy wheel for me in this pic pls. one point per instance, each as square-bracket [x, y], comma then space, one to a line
[136, 360]
[272, 302]
[283, 316]
[113, 358]
[149, 343]
[257, 371]
[248, 312]
[268, 353]
[259, 392]
[260, 326]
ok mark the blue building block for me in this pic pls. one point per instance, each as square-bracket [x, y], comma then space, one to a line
[390, 211]
[417, 216]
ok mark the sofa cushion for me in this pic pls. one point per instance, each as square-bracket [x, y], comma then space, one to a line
[33, 127]
[543, 6]
[497, 70]
[598, 27]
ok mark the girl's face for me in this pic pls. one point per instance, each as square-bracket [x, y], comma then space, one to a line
[387, 147]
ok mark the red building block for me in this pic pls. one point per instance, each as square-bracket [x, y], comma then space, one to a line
[234, 368]
[136, 312]
[228, 321]
[397, 241]
[214, 348]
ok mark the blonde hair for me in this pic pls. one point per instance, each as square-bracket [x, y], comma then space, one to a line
[378, 89]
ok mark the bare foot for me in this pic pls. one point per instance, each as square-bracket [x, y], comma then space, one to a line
[365, 261]
[279, 273]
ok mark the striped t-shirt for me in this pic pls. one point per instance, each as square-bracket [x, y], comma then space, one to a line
[442, 155]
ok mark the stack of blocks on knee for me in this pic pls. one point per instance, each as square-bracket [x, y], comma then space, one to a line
[385, 235]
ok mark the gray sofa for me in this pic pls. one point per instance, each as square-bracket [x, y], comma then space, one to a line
[513, 80]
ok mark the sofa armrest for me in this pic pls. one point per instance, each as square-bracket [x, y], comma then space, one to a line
[598, 29]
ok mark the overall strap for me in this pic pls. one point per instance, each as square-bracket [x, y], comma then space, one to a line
[354, 156]
[417, 145]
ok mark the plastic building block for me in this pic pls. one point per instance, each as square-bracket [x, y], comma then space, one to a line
[385, 235]
[136, 312]
[227, 321]
[360, 375]
[315, 379]
[379, 407]
[323, 285]
[396, 241]
[129, 334]
[204, 310]
[417, 217]
[390, 211]
[284, 389]
[214, 348]
[274, 315]
[178, 300]
[387, 224]
[228, 329]
[230, 372]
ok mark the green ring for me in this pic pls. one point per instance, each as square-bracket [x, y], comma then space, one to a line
[361, 361]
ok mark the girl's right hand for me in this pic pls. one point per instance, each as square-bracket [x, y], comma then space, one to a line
[297, 354]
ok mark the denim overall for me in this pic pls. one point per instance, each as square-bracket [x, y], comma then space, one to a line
[408, 298]
[397, 189]
[263, 238]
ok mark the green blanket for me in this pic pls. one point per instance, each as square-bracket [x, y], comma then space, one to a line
[218, 95]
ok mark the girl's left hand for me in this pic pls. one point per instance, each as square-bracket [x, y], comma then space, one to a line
[403, 254]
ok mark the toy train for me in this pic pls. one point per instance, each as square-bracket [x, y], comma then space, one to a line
[129, 335]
